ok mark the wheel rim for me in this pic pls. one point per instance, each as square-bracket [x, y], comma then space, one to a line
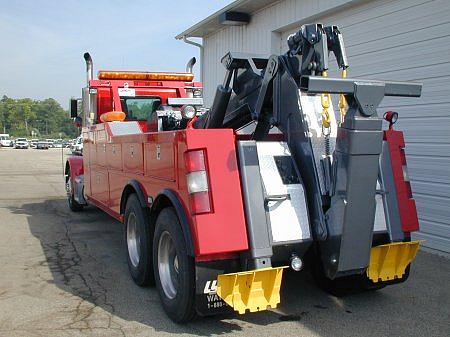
[133, 240]
[69, 191]
[69, 187]
[168, 265]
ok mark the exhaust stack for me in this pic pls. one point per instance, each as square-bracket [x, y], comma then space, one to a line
[190, 65]
[88, 101]
[89, 67]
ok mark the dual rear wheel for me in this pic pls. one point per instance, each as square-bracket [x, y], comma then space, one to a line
[158, 256]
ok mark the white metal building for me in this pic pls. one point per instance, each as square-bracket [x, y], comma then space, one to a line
[403, 40]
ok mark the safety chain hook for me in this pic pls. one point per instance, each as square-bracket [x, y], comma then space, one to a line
[342, 101]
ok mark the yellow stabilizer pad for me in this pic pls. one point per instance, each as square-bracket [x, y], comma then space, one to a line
[254, 290]
[388, 262]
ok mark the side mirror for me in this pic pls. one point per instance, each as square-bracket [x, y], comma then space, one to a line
[73, 108]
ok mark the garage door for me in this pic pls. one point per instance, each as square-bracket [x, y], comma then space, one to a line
[409, 40]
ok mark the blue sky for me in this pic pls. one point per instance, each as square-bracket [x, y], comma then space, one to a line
[42, 42]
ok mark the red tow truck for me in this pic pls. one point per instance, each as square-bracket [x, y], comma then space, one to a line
[217, 202]
[138, 173]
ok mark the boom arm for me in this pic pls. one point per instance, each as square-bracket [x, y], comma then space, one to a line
[266, 91]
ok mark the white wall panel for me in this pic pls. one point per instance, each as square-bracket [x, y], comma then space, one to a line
[255, 37]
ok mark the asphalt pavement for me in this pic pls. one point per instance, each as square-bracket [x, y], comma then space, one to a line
[65, 274]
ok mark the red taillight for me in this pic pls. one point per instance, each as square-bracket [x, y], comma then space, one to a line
[200, 203]
[195, 161]
[197, 181]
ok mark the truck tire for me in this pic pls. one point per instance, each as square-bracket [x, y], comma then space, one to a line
[138, 240]
[174, 269]
[73, 204]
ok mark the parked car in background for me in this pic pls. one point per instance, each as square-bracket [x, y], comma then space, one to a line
[50, 142]
[33, 143]
[58, 143]
[42, 144]
[5, 141]
[21, 143]
[77, 148]
[73, 142]
[67, 144]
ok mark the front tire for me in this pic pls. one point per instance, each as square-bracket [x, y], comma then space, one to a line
[174, 268]
[138, 240]
[73, 204]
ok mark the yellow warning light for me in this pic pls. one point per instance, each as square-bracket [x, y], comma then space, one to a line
[144, 75]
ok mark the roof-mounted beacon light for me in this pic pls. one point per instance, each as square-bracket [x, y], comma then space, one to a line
[144, 75]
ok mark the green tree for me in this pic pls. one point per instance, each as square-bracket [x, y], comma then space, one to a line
[6, 111]
[19, 117]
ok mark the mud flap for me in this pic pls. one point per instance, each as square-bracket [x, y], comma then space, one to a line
[254, 290]
[207, 302]
[389, 262]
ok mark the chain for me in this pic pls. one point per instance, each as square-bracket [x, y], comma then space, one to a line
[325, 99]
[326, 121]
[342, 100]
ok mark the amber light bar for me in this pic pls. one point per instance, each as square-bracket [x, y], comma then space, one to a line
[144, 75]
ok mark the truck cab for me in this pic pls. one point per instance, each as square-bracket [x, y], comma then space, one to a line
[142, 163]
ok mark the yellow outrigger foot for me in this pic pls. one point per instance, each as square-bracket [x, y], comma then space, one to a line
[388, 262]
[253, 290]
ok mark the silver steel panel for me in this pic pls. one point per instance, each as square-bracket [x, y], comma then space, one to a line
[288, 218]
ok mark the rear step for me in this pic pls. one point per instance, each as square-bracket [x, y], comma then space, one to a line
[253, 290]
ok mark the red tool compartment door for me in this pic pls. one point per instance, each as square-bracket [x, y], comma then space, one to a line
[132, 158]
[100, 140]
[159, 156]
[114, 156]
[224, 230]
[99, 185]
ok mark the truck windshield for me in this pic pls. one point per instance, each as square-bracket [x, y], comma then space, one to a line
[139, 108]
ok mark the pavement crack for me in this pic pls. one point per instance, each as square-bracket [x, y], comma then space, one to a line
[67, 260]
